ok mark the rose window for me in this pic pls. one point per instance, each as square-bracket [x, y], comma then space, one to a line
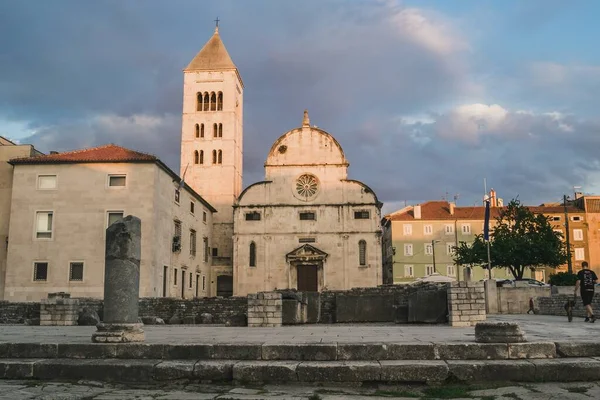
[307, 186]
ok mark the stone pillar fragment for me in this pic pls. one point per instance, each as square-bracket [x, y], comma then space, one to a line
[121, 283]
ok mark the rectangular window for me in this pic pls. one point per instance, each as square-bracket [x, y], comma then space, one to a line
[466, 229]
[408, 271]
[177, 228]
[576, 218]
[362, 253]
[203, 282]
[428, 249]
[556, 218]
[112, 217]
[428, 229]
[40, 271]
[190, 284]
[192, 206]
[361, 215]
[215, 252]
[429, 269]
[177, 194]
[307, 216]
[43, 224]
[408, 249]
[579, 254]
[449, 229]
[449, 248]
[306, 240]
[193, 242]
[117, 180]
[47, 182]
[203, 216]
[76, 271]
[253, 216]
[450, 270]
[205, 245]
[407, 229]
[175, 277]
[577, 234]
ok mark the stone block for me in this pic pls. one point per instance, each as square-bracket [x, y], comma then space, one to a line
[32, 350]
[364, 307]
[471, 351]
[86, 350]
[135, 371]
[263, 371]
[492, 370]
[532, 350]
[567, 370]
[411, 371]
[339, 371]
[428, 307]
[118, 333]
[460, 324]
[581, 349]
[385, 351]
[17, 369]
[238, 351]
[139, 351]
[300, 351]
[187, 351]
[499, 332]
[216, 371]
[173, 370]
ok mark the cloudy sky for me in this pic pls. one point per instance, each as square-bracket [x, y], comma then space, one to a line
[426, 97]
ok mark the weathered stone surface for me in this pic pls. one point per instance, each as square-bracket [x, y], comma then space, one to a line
[101, 370]
[237, 320]
[428, 307]
[364, 307]
[188, 351]
[139, 351]
[153, 321]
[88, 317]
[175, 319]
[263, 371]
[300, 351]
[567, 370]
[118, 333]
[189, 320]
[122, 271]
[582, 349]
[385, 351]
[207, 370]
[472, 351]
[312, 307]
[338, 371]
[532, 350]
[32, 321]
[291, 312]
[411, 371]
[31, 350]
[86, 350]
[17, 369]
[499, 332]
[206, 318]
[238, 351]
[173, 370]
[492, 370]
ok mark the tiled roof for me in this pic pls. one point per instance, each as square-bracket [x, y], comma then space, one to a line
[440, 210]
[213, 56]
[109, 153]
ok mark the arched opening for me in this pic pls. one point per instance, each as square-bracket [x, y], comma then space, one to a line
[220, 156]
[198, 101]
[220, 130]
[201, 156]
[213, 101]
[201, 130]
[206, 101]
[215, 130]
[362, 252]
[197, 130]
[214, 156]
[252, 254]
[220, 101]
[196, 157]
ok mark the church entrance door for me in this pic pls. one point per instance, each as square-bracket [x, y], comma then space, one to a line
[307, 278]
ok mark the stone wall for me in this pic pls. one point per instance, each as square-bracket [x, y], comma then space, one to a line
[466, 303]
[265, 309]
[17, 313]
[59, 310]
[515, 300]
[555, 305]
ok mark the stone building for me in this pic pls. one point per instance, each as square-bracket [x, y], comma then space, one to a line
[306, 226]
[62, 204]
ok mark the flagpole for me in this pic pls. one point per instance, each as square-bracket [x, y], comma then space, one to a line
[486, 229]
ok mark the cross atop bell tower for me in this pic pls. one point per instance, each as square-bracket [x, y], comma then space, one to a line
[212, 137]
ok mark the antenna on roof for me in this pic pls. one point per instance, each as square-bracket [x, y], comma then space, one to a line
[456, 196]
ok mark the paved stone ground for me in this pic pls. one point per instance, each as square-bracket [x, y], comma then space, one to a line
[537, 328]
[19, 390]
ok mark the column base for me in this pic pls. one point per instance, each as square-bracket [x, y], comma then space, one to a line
[118, 333]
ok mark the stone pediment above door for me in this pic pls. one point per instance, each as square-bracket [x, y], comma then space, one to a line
[306, 254]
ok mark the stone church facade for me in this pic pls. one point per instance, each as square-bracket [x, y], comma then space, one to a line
[306, 226]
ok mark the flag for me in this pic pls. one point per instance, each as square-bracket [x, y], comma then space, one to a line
[182, 181]
[486, 222]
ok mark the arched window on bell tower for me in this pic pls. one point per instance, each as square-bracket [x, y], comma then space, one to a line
[220, 101]
[215, 130]
[201, 156]
[213, 101]
[220, 130]
[206, 101]
[197, 130]
[196, 157]
[220, 157]
[201, 130]
[198, 101]
[214, 156]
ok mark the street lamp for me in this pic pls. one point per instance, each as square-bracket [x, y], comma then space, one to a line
[433, 242]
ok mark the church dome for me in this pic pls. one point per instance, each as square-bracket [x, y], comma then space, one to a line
[306, 146]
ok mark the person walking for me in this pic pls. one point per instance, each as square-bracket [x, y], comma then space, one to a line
[586, 281]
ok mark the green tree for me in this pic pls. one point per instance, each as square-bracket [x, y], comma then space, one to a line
[520, 239]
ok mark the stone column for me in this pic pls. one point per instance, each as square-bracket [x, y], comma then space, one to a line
[121, 284]
[466, 303]
[491, 296]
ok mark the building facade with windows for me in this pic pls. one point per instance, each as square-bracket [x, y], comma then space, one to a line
[306, 226]
[62, 204]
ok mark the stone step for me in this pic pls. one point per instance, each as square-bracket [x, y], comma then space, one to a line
[303, 351]
[413, 371]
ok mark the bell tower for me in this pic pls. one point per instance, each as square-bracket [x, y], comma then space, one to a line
[212, 140]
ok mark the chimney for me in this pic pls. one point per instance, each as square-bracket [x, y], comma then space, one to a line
[493, 199]
[417, 211]
[451, 208]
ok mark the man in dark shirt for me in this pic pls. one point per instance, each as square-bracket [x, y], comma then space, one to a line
[586, 280]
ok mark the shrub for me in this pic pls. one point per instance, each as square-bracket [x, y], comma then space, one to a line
[563, 279]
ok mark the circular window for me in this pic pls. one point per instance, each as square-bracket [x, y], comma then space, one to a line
[307, 186]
